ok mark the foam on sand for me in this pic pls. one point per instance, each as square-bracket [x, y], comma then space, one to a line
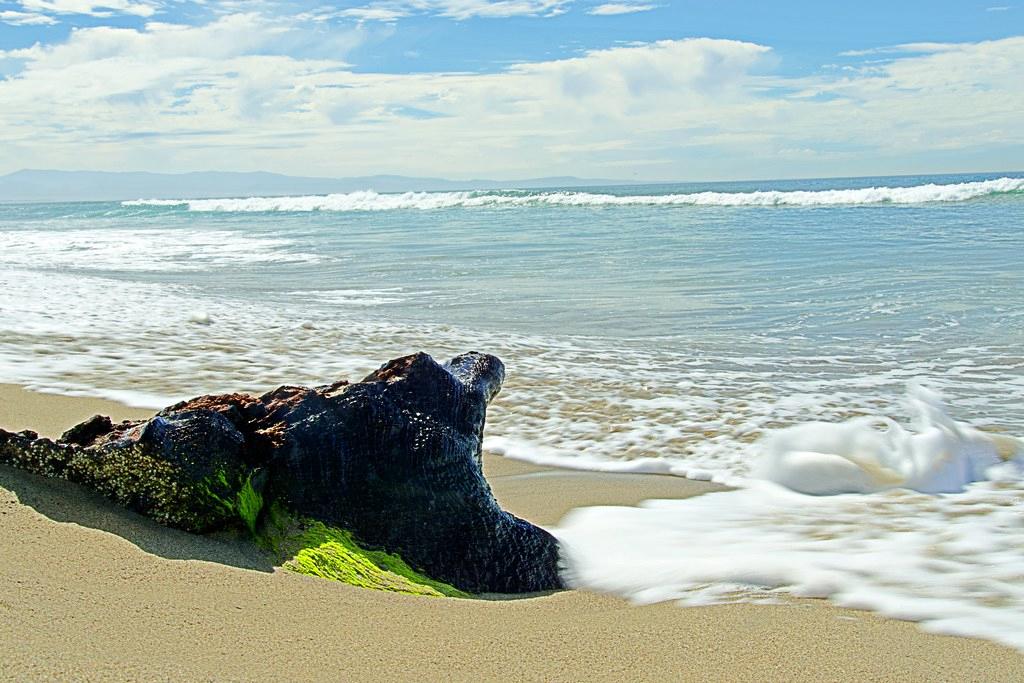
[369, 200]
[951, 561]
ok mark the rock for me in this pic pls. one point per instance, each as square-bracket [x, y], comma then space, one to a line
[395, 459]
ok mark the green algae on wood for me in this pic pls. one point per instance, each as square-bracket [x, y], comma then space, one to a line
[243, 500]
[249, 503]
[316, 549]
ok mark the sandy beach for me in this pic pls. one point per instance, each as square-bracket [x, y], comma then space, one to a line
[89, 591]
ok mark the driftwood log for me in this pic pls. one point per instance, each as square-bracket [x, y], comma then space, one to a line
[395, 459]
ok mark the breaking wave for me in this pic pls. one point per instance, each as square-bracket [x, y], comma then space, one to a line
[369, 200]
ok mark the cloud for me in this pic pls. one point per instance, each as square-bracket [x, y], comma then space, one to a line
[465, 9]
[904, 48]
[372, 14]
[697, 65]
[105, 85]
[244, 91]
[15, 18]
[390, 10]
[94, 49]
[615, 8]
[953, 98]
[104, 8]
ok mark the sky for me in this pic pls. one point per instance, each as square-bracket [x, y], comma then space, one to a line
[505, 89]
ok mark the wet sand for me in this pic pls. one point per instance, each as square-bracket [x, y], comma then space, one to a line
[89, 591]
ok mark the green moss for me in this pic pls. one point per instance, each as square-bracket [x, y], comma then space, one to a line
[316, 549]
[249, 503]
[240, 500]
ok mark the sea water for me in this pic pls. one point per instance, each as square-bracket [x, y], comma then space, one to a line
[847, 353]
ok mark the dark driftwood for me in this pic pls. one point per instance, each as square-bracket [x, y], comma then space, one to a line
[394, 458]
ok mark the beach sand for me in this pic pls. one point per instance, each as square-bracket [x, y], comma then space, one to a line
[89, 591]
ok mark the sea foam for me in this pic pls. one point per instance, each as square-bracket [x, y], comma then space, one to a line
[865, 455]
[952, 562]
[159, 249]
[369, 200]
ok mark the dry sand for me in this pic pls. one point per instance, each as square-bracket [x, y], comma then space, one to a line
[89, 591]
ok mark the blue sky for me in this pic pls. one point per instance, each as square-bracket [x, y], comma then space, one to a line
[688, 90]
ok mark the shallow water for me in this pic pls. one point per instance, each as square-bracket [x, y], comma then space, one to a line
[649, 328]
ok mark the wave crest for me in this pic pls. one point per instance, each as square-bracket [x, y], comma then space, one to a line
[368, 200]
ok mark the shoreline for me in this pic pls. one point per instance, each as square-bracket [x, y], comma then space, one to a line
[89, 590]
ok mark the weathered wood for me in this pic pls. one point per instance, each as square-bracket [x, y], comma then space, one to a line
[394, 458]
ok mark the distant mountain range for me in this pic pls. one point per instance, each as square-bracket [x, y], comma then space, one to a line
[39, 185]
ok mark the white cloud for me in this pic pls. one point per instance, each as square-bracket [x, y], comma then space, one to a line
[389, 10]
[97, 48]
[372, 14]
[464, 9]
[15, 18]
[902, 49]
[227, 94]
[104, 8]
[616, 8]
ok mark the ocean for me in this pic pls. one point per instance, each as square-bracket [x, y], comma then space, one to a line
[846, 352]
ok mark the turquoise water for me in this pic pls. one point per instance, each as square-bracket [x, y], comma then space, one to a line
[685, 329]
[800, 293]
[643, 270]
